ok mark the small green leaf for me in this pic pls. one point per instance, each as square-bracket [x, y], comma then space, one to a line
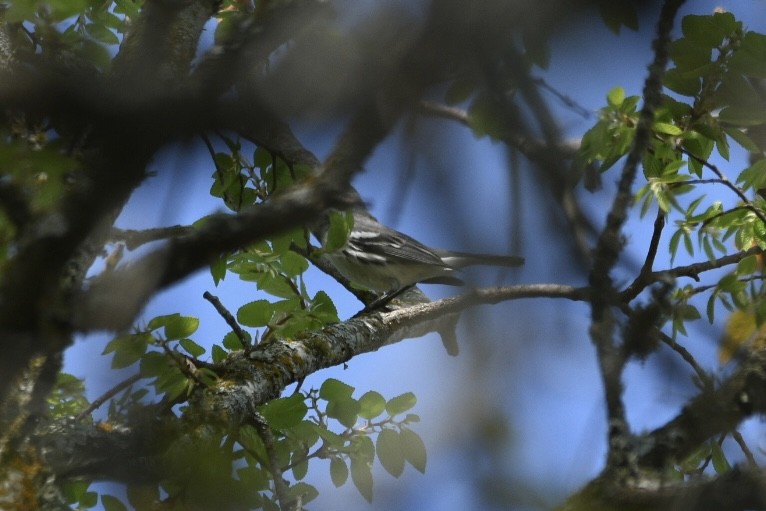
[390, 452]
[255, 314]
[401, 404]
[111, 503]
[668, 129]
[345, 411]
[414, 449]
[720, 463]
[154, 364]
[89, 499]
[616, 96]
[334, 390]
[218, 354]
[192, 348]
[304, 491]
[747, 265]
[323, 308]
[754, 177]
[361, 475]
[218, 269]
[101, 34]
[293, 264]
[371, 404]
[704, 30]
[340, 227]
[178, 327]
[741, 138]
[232, 342]
[338, 471]
[300, 468]
[285, 412]
[128, 349]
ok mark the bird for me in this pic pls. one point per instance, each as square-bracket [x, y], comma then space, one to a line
[389, 262]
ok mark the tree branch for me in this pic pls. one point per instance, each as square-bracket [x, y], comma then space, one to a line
[611, 358]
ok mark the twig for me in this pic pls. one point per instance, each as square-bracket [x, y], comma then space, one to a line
[566, 100]
[705, 379]
[644, 276]
[108, 395]
[737, 436]
[722, 179]
[228, 317]
[269, 442]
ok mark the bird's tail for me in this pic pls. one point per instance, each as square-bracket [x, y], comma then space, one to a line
[463, 259]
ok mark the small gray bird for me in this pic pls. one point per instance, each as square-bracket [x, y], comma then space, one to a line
[387, 261]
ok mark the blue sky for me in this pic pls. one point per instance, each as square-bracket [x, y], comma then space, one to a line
[528, 362]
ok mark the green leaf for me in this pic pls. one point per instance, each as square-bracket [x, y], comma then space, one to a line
[414, 449]
[616, 96]
[101, 34]
[483, 118]
[742, 116]
[154, 364]
[111, 503]
[741, 138]
[344, 411]
[682, 83]
[323, 308]
[278, 285]
[178, 327]
[218, 269]
[192, 348]
[128, 349]
[361, 476]
[334, 390]
[754, 177]
[747, 265]
[371, 404]
[300, 468]
[707, 31]
[304, 491]
[232, 342]
[401, 404]
[285, 412]
[306, 433]
[293, 264]
[89, 499]
[255, 314]
[74, 490]
[720, 463]
[750, 57]
[668, 129]
[390, 452]
[340, 227]
[338, 471]
[218, 354]
[171, 382]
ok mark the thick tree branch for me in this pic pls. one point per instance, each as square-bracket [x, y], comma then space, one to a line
[711, 413]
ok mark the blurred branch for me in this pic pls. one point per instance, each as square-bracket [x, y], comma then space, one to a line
[109, 394]
[533, 148]
[135, 238]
